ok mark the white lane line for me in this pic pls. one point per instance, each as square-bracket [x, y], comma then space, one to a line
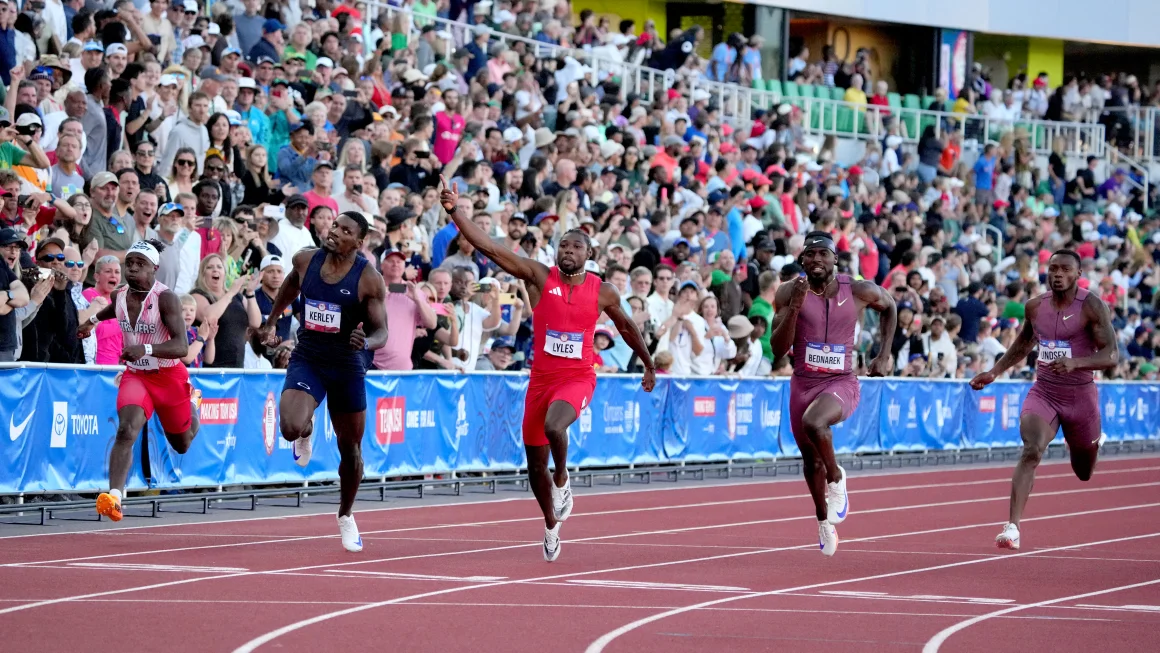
[602, 537]
[401, 576]
[888, 473]
[556, 606]
[932, 646]
[255, 643]
[604, 640]
[708, 504]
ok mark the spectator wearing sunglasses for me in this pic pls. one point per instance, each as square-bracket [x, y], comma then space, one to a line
[51, 336]
[144, 163]
[114, 231]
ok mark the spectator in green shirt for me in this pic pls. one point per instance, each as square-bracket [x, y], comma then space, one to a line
[763, 307]
[1014, 306]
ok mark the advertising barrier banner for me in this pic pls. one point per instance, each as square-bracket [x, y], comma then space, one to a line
[62, 423]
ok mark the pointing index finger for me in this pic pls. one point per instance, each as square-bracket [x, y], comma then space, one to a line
[443, 181]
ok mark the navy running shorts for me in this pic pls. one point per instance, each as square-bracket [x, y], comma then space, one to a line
[345, 387]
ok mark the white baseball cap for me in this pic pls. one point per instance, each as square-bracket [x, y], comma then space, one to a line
[247, 82]
[116, 48]
[269, 260]
[168, 80]
[324, 61]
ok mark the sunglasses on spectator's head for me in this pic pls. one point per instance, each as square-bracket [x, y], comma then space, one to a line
[48, 258]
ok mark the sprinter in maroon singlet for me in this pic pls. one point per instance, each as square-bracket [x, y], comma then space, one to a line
[817, 313]
[1073, 330]
[566, 302]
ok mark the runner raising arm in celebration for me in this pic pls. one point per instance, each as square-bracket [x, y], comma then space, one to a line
[567, 302]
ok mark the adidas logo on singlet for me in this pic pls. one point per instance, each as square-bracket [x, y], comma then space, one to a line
[556, 292]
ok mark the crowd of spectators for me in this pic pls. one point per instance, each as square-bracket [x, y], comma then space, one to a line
[234, 140]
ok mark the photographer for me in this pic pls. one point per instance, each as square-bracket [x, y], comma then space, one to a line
[13, 293]
[51, 336]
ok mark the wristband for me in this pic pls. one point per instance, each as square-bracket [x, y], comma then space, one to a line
[148, 350]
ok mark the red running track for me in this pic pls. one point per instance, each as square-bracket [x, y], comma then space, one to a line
[687, 568]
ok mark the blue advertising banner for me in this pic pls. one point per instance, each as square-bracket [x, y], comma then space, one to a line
[62, 423]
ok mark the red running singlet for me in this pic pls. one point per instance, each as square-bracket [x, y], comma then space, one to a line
[564, 323]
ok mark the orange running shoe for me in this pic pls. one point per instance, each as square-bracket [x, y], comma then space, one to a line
[109, 506]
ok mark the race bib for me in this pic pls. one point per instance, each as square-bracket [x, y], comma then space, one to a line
[323, 317]
[564, 344]
[143, 364]
[1053, 350]
[824, 357]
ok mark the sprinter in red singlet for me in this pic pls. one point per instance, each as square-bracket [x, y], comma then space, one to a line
[155, 380]
[1073, 330]
[817, 314]
[567, 301]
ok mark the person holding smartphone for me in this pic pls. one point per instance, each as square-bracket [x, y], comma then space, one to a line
[408, 309]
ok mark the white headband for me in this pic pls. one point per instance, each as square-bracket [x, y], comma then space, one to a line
[145, 249]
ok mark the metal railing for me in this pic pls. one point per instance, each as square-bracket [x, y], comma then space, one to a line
[1135, 129]
[734, 101]
[822, 116]
[826, 117]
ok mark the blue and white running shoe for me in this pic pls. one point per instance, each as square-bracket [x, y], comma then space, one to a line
[837, 500]
[827, 538]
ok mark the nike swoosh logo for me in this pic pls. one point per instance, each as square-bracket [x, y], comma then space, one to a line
[1066, 317]
[14, 431]
[843, 301]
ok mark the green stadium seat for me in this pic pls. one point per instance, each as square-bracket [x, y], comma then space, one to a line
[927, 100]
[774, 86]
[758, 84]
[894, 100]
[791, 89]
[806, 90]
[838, 94]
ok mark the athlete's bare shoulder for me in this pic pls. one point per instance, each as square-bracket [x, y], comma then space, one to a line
[371, 283]
[1095, 310]
[301, 259]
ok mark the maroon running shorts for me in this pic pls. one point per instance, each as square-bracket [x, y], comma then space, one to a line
[1074, 407]
[804, 390]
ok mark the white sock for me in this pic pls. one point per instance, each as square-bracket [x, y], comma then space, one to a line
[116, 494]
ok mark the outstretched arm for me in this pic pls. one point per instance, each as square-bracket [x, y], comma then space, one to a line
[527, 269]
[1107, 354]
[872, 296]
[610, 304]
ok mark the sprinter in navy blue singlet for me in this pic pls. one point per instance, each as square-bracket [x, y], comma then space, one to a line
[343, 318]
[323, 363]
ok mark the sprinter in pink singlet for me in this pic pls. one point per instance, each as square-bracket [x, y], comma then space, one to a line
[566, 301]
[817, 314]
[1073, 331]
[155, 380]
